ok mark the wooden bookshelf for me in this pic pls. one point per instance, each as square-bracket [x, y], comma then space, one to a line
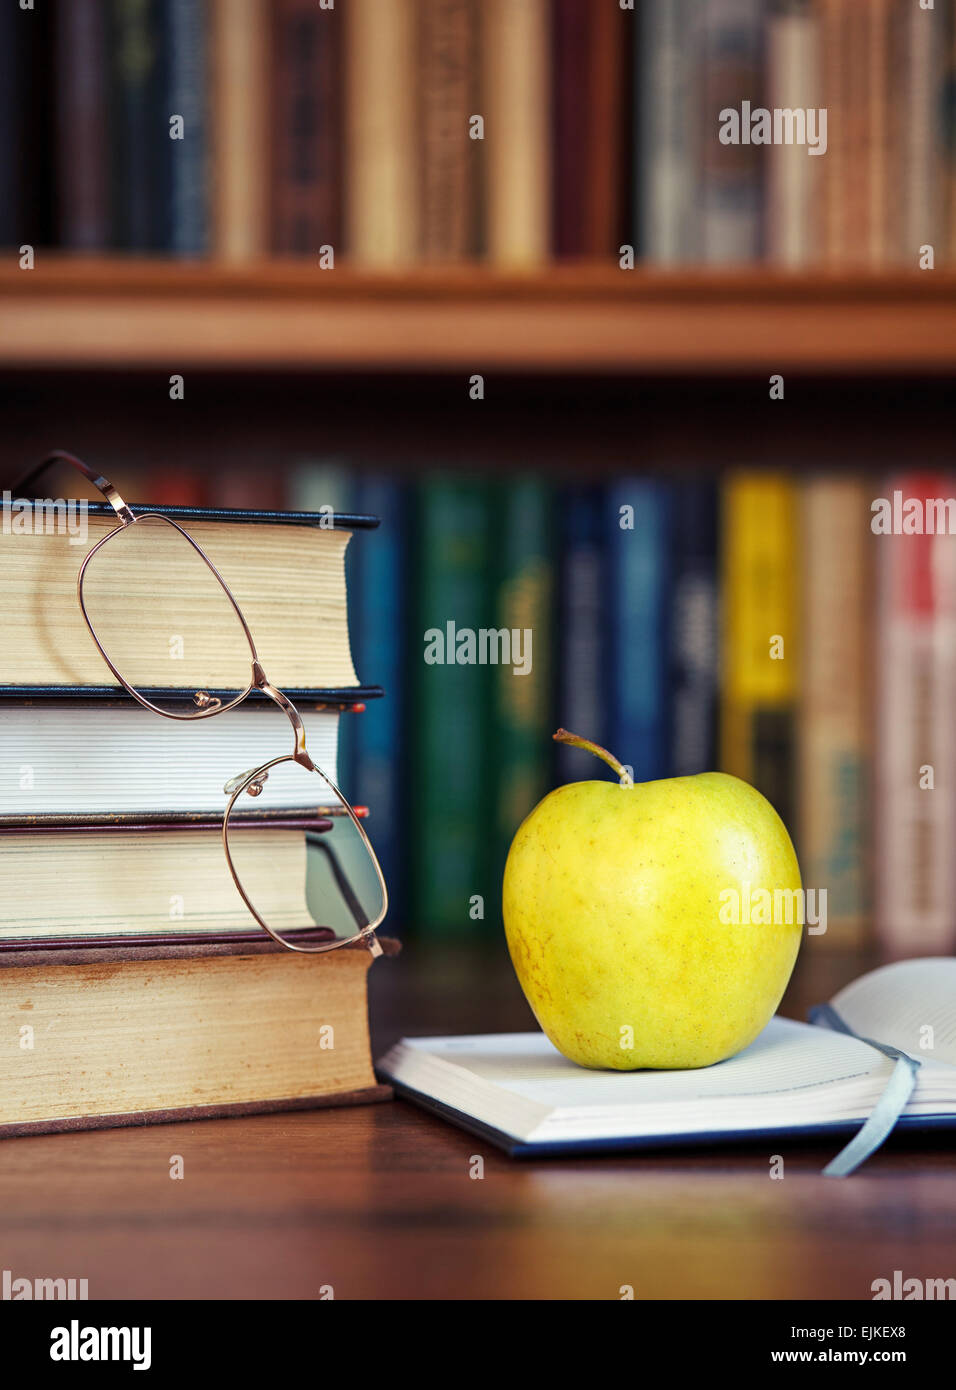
[568, 319]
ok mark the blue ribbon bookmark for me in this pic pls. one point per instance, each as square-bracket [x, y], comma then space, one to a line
[888, 1108]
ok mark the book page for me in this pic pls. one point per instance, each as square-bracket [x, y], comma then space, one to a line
[786, 1057]
[910, 1005]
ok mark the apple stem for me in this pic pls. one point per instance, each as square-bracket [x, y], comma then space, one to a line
[576, 741]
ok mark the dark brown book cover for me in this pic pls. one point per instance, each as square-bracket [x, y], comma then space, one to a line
[448, 53]
[590, 44]
[572, 35]
[306, 127]
[608, 166]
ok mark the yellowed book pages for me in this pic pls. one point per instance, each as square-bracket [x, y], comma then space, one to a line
[119, 883]
[139, 1037]
[517, 130]
[240, 125]
[163, 617]
[834, 792]
[382, 137]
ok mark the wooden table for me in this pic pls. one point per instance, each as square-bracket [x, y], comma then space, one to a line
[379, 1202]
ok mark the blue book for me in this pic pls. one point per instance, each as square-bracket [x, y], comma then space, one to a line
[694, 635]
[582, 629]
[185, 43]
[379, 620]
[639, 514]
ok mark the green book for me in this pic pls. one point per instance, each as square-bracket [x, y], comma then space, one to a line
[453, 892]
[523, 685]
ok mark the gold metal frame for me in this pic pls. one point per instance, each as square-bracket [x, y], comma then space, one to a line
[208, 706]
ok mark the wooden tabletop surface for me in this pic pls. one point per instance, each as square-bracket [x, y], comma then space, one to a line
[380, 1202]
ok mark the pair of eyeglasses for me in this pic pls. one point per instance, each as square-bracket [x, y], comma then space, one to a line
[149, 565]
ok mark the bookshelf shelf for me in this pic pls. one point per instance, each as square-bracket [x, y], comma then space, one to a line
[567, 319]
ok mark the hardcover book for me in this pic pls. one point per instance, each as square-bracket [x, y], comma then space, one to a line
[147, 1035]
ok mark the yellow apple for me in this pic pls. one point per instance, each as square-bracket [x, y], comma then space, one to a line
[635, 913]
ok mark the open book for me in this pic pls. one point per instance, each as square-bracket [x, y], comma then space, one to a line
[517, 1090]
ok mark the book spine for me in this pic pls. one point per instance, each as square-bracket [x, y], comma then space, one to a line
[11, 22]
[306, 106]
[835, 174]
[760, 659]
[524, 607]
[793, 83]
[922, 100]
[833, 742]
[515, 70]
[667, 97]
[585, 655]
[914, 749]
[947, 137]
[693, 641]
[81, 132]
[451, 709]
[640, 551]
[447, 55]
[731, 189]
[571, 42]
[882, 198]
[380, 611]
[609, 146]
[138, 124]
[381, 174]
[186, 39]
[240, 48]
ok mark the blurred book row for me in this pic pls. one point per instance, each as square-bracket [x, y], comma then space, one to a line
[510, 130]
[751, 622]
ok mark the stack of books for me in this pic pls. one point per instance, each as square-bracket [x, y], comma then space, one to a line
[134, 982]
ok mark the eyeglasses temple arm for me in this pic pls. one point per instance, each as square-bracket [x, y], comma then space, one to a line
[102, 484]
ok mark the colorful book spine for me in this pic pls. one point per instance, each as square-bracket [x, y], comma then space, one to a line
[833, 736]
[306, 120]
[517, 136]
[381, 216]
[83, 195]
[240, 48]
[694, 629]
[585, 654]
[760, 658]
[379, 626]
[667, 95]
[524, 609]
[571, 41]
[731, 187]
[186, 36]
[448, 65]
[793, 175]
[138, 125]
[915, 753]
[640, 528]
[452, 885]
[922, 107]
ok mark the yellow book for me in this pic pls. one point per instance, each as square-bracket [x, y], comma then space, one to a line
[760, 639]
